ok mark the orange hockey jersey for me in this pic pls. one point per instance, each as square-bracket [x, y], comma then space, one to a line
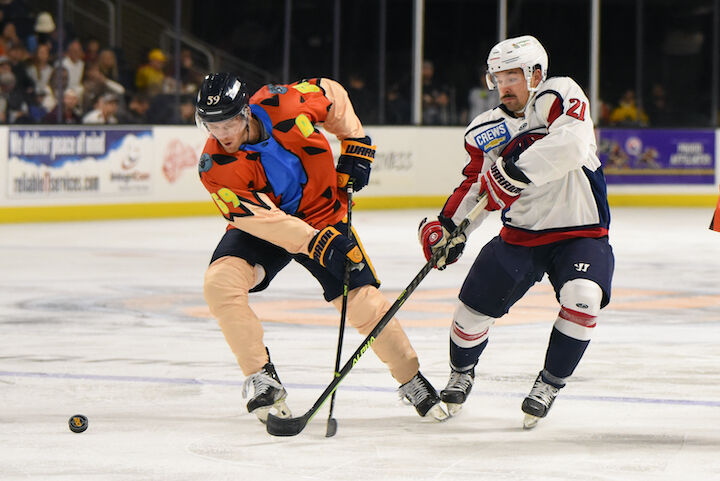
[283, 188]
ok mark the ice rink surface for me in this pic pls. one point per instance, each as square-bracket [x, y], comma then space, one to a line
[107, 319]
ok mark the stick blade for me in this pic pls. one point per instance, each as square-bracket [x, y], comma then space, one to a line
[285, 426]
[331, 428]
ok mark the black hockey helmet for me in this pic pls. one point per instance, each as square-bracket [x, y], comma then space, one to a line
[222, 96]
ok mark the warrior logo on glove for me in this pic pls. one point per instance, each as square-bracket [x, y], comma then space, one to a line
[354, 163]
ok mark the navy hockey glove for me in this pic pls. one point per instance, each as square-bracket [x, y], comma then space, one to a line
[502, 188]
[330, 249]
[356, 155]
[435, 236]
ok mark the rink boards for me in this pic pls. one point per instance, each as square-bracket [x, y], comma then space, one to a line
[50, 173]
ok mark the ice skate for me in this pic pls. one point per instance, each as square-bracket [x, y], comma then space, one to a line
[457, 390]
[537, 404]
[269, 394]
[424, 397]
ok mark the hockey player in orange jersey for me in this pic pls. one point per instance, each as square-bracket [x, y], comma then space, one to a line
[273, 177]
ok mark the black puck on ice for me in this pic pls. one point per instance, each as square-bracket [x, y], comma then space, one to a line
[78, 423]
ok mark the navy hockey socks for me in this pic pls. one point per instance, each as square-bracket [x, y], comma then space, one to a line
[563, 355]
[464, 358]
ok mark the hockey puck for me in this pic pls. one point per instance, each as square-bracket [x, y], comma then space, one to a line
[78, 423]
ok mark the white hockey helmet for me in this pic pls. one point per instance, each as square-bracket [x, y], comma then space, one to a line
[524, 52]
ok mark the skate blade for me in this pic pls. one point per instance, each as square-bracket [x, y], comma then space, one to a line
[281, 411]
[437, 413]
[454, 408]
[530, 421]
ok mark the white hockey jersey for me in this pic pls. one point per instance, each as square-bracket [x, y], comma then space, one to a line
[555, 141]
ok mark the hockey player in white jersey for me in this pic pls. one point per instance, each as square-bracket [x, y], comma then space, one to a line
[534, 156]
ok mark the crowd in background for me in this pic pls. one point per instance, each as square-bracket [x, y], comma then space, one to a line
[85, 82]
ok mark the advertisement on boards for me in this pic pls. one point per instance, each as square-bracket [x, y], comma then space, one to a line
[644, 156]
[87, 163]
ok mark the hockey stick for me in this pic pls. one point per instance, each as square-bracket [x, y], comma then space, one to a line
[293, 426]
[332, 422]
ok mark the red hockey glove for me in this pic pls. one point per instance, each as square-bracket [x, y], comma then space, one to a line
[330, 249]
[354, 163]
[435, 236]
[501, 188]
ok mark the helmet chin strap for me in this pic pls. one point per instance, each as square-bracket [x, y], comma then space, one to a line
[533, 91]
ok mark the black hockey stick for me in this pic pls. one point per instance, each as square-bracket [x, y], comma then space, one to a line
[293, 426]
[332, 422]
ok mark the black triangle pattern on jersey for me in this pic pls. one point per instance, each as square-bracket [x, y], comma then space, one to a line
[253, 156]
[285, 125]
[336, 206]
[313, 150]
[328, 193]
[273, 101]
[302, 100]
[222, 159]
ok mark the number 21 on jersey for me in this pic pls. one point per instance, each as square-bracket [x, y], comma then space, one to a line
[577, 109]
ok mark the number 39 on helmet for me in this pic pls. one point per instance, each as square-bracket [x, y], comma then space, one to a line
[525, 53]
[222, 96]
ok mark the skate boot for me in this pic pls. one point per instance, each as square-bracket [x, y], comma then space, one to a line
[537, 404]
[423, 396]
[457, 389]
[269, 394]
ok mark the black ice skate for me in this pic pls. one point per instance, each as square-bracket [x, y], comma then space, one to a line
[537, 404]
[269, 394]
[457, 390]
[424, 397]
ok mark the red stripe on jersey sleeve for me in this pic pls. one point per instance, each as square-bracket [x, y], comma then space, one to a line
[555, 111]
[471, 173]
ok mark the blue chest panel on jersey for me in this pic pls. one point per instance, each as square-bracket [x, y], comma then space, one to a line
[283, 169]
[491, 137]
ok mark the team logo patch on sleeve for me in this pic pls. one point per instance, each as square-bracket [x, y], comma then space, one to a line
[205, 162]
[490, 138]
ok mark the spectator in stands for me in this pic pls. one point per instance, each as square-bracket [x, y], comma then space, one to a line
[45, 32]
[69, 105]
[480, 99]
[191, 77]
[18, 56]
[58, 83]
[108, 65]
[39, 68]
[91, 51]
[397, 107]
[105, 111]
[149, 77]
[435, 98]
[658, 108]
[627, 113]
[14, 107]
[9, 34]
[137, 109]
[74, 63]
[95, 84]
[36, 108]
[187, 110]
[364, 103]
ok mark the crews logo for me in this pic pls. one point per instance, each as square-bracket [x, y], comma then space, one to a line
[490, 138]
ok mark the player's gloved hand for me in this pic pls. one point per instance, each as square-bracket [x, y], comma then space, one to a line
[330, 249]
[502, 188]
[435, 236]
[356, 155]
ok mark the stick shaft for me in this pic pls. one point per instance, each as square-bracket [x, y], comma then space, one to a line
[292, 426]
